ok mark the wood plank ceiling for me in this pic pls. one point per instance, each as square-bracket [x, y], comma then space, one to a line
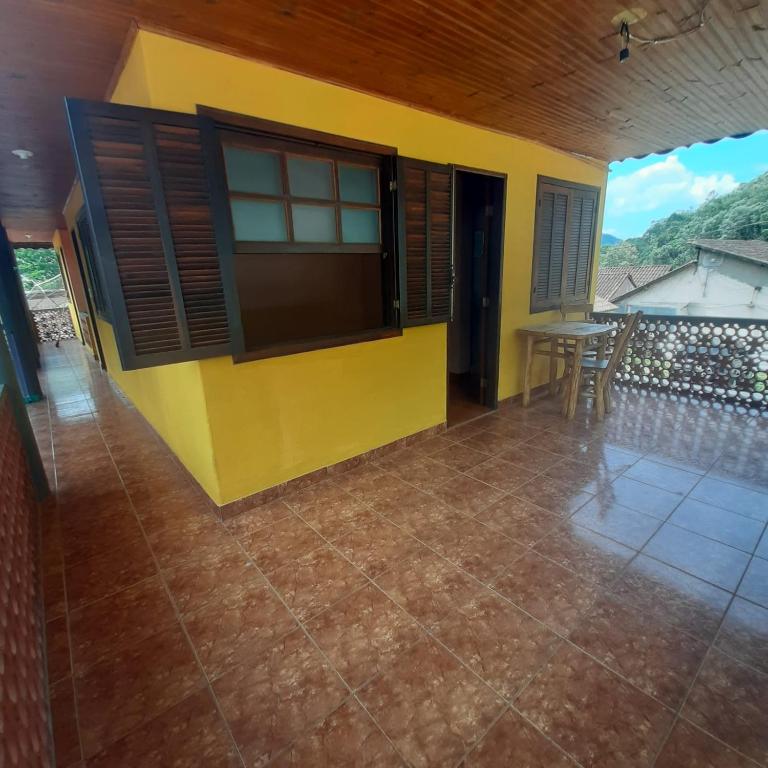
[543, 70]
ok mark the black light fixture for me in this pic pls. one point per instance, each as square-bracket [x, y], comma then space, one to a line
[624, 35]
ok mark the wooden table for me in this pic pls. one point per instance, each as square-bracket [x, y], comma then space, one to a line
[576, 334]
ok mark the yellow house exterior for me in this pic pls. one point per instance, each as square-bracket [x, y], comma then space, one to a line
[240, 428]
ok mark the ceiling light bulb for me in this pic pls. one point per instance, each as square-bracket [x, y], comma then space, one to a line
[27, 235]
[22, 154]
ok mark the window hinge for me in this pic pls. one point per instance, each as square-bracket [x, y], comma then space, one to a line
[396, 303]
[392, 185]
[486, 302]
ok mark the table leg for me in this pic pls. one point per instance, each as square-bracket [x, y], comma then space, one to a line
[527, 370]
[573, 392]
[553, 368]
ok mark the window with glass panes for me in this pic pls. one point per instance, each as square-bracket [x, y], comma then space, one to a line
[311, 226]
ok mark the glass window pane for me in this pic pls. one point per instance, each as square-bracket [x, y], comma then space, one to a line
[249, 171]
[310, 178]
[358, 185]
[314, 223]
[359, 225]
[259, 220]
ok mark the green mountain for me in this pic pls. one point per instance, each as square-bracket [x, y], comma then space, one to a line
[606, 239]
[739, 215]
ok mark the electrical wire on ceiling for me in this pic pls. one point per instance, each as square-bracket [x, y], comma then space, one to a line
[702, 20]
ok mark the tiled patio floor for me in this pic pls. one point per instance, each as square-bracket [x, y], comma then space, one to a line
[519, 592]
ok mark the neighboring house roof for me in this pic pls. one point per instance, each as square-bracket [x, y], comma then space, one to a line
[616, 281]
[655, 280]
[751, 250]
[603, 305]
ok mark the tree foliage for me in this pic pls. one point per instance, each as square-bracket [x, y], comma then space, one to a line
[739, 215]
[36, 265]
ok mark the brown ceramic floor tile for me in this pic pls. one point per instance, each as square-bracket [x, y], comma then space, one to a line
[704, 558]
[719, 524]
[362, 481]
[57, 649]
[362, 633]
[287, 540]
[501, 474]
[520, 520]
[135, 686]
[54, 594]
[274, 699]
[729, 700]
[587, 553]
[735, 498]
[200, 536]
[499, 642]
[754, 585]
[515, 743]
[431, 706]
[425, 473]
[346, 739]
[423, 515]
[641, 497]
[468, 495]
[245, 525]
[189, 733]
[580, 476]
[478, 549]
[109, 533]
[226, 632]
[66, 740]
[593, 714]
[338, 516]
[427, 586]
[217, 576]
[653, 656]
[689, 747]
[108, 572]
[622, 524]
[744, 633]
[105, 628]
[315, 581]
[490, 442]
[556, 496]
[551, 593]
[679, 599]
[460, 457]
[437, 443]
[376, 546]
[530, 458]
[555, 442]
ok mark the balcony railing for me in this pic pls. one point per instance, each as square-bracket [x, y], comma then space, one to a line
[713, 358]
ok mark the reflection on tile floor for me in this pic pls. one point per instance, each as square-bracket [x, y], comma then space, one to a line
[520, 591]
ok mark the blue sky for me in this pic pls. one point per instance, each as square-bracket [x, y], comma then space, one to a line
[642, 191]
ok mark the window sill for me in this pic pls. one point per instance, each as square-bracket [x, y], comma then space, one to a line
[309, 345]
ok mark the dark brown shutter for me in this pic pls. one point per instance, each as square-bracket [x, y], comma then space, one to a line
[549, 245]
[146, 192]
[425, 229]
[581, 240]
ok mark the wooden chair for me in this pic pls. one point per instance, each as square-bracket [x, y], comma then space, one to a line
[572, 309]
[598, 373]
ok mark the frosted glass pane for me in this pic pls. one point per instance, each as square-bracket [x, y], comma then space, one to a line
[358, 185]
[257, 220]
[359, 225]
[310, 178]
[249, 171]
[314, 223]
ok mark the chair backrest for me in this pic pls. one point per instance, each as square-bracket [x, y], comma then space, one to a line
[620, 345]
[572, 309]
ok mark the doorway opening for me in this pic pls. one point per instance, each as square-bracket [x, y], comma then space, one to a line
[473, 332]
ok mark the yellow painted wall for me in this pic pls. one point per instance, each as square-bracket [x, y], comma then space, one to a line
[270, 420]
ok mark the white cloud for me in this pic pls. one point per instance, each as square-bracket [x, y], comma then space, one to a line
[662, 185]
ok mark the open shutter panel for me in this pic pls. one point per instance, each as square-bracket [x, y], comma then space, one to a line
[549, 248]
[146, 193]
[425, 224]
[581, 237]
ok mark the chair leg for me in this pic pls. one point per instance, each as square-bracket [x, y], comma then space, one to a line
[599, 398]
[607, 397]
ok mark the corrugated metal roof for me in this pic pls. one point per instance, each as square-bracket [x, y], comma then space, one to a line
[613, 281]
[753, 250]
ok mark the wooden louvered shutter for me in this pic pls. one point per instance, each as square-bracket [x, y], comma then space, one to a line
[146, 192]
[425, 235]
[549, 246]
[581, 242]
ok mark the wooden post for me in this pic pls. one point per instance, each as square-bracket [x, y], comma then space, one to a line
[573, 392]
[553, 367]
[527, 370]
